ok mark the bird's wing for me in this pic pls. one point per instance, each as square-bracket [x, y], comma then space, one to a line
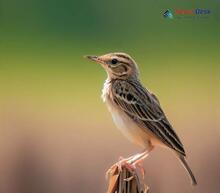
[144, 108]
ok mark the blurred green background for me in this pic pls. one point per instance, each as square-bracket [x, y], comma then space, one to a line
[56, 134]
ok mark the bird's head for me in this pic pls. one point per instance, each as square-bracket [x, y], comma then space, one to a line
[117, 65]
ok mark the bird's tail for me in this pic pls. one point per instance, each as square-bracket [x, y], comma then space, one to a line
[186, 166]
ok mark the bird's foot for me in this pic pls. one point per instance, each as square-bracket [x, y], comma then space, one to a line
[126, 162]
[140, 167]
[137, 161]
[133, 163]
[126, 170]
[123, 162]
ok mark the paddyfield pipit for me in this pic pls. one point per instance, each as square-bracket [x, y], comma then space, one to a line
[135, 110]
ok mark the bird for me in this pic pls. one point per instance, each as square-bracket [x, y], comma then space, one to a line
[136, 111]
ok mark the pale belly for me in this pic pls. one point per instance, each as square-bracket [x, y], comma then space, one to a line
[129, 128]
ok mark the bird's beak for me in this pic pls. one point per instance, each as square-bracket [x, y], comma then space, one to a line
[94, 58]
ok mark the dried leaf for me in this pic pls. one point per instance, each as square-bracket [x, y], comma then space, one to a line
[124, 180]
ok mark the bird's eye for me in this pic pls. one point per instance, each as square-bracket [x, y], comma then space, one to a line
[114, 61]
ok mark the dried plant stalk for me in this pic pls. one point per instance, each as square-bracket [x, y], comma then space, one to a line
[124, 180]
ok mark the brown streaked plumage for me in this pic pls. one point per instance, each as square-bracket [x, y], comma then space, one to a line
[135, 110]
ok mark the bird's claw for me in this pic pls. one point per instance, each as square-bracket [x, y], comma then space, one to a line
[131, 164]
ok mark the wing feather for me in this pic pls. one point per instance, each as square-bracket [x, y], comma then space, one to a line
[144, 108]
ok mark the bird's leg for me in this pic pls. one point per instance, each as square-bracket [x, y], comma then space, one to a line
[139, 157]
[131, 157]
[133, 161]
[123, 162]
[126, 162]
[137, 160]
